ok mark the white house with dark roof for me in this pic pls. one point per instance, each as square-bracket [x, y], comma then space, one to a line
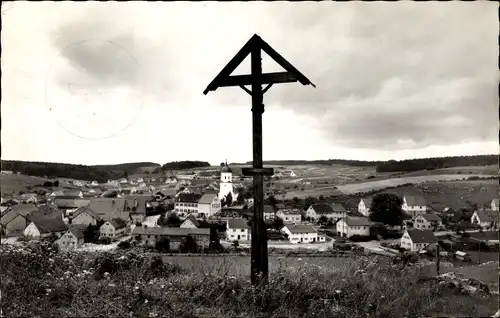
[208, 205]
[113, 229]
[84, 216]
[495, 204]
[415, 239]
[486, 218]
[315, 211]
[414, 205]
[186, 203]
[351, 225]
[238, 230]
[73, 238]
[427, 221]
[302, 233]
[290, 215]
[136, 206]
[364, 206]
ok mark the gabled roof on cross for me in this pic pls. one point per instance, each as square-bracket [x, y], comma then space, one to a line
[292, 74]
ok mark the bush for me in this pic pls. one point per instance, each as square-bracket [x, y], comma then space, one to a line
[124, 245]
[104, 241]
[361, 238]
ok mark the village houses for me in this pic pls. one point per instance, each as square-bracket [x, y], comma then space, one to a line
[41, 228]
[190, 223]
[316, 211]
[110, 208]
[290, 215]
[427, 221]
[238, 230]
[114, 228]
[268, 212]
[351, 225]
[414, 205]
[364, 206]
[14, 219]
[487, 219]
[300, 233]
[73, 238]
[70, 204]
[415, 239]
[202, 205]
[175, 236]
[84, 215]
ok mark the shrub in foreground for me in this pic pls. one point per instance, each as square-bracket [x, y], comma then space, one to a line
[121, 284]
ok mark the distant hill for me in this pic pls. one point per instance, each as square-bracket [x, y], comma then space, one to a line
[329, 162]
[100, 173]
[400, 166]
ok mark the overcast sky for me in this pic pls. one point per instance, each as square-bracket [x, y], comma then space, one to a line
[99, 83]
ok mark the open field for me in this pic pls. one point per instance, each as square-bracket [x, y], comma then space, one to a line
[453, 194]
[18, 182]
[393, 182]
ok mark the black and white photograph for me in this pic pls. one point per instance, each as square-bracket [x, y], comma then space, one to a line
[250, 159]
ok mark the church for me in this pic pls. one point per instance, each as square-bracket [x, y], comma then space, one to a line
[226, 182]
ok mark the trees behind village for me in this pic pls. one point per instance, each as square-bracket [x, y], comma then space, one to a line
[386, 208]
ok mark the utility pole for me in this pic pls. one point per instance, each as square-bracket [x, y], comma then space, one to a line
[254, 47]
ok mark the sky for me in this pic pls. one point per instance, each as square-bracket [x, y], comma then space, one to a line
[110, 82]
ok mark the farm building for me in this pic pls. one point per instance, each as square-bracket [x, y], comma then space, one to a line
[350, 225]
[315, 211]
[190, 222]
[364, 206]
[110, 208]
[414, 205]
[301, 233]
[238, 229]
[485, 218]
[415, 240]
[41, 228]
[427, 221]
[70, 204]
[150, 235]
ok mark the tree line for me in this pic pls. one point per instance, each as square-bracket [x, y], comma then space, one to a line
[99, 173]
[182, 165]
[436, 163]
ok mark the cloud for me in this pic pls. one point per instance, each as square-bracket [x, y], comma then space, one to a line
[388, 72]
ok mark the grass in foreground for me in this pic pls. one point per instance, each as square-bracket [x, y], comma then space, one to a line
[40, 281]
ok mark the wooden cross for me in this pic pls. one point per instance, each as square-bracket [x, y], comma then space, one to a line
[259, 259]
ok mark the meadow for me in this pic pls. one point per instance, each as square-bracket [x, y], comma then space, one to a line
[455, 194]
[40, 281]
[13, 183]
[400, 180]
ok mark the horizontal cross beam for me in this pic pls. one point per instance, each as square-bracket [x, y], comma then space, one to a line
[257, 171]
[267, 78]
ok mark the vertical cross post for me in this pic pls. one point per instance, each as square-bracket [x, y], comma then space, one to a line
[254, 47]
[259, 264]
